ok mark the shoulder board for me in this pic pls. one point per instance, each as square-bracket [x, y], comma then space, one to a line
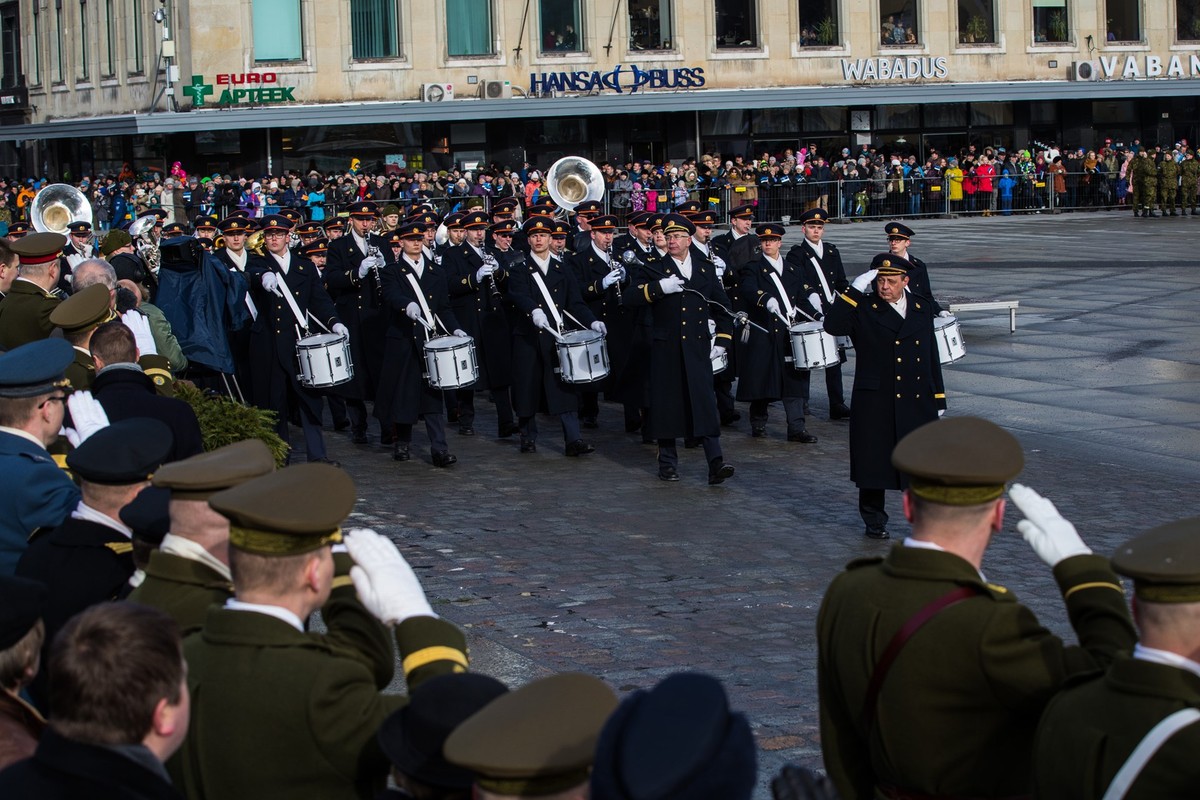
[996, 590]
[120, 548]
[864, 562]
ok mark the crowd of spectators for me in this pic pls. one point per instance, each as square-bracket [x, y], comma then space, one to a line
[875, 182]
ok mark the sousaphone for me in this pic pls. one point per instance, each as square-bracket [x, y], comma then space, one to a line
[57, 206]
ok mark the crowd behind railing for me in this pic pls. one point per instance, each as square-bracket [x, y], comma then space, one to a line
[872, 184]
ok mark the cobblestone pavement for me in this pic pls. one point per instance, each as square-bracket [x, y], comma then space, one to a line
[592, 564]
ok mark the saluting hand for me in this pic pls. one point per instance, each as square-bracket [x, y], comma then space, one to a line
[863, 281]
[1051, 536]
[385, 582]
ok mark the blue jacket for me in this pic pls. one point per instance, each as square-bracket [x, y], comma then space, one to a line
[37, 495]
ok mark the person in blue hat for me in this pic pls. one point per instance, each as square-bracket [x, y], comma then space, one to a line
[33, 395]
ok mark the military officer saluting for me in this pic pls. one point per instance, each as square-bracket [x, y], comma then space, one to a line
[306, 705]
[897, 380]
[190, 569]
[931, 678]
[1095, 736]
[25, 311]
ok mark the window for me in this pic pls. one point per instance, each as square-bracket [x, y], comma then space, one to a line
[10, 46]
[84, 36]
[469, 28]
[278, 32]
[374, 30]
[898, 23]
[1050, 21]
[736, 23]
[1187, 20]
[976, 22]
[136, 52]
[1124, 23]
[562, 26]
[36, 44]
[110, 39]
[59, 61]
[651, 25]
[818, 23]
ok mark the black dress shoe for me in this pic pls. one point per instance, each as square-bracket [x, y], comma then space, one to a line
[509, 429]
[803, 436]
[758, 431]
[579, 448]
[691, 441]
[328, 461]
[839, 411]
[399, 452]
[668, 474]
[528, 446]
[359, 437]
[444, 459]
[718, 471]
[589, 423]
[466, 430]
[876, 533]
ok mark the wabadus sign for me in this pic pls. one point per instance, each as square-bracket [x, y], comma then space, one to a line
[239, 88]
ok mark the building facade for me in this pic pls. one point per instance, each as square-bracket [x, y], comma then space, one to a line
[256, 86]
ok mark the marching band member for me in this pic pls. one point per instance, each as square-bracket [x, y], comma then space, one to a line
[701, 247]
[352, 275]
[335, 228]
[821, 265]
[682, 403]
[236, 259]
[776, 292]
[476, 282]
[273, 334]
[541, 293]
[416, 297]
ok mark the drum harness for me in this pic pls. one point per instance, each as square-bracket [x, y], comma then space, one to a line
[558, 317]
[301, 319]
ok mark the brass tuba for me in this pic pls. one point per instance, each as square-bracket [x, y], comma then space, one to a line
[57, 206]
[139, 232]
[573, 180]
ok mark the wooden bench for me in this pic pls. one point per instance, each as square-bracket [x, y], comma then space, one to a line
[992, 305]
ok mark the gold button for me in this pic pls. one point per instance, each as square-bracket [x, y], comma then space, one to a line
[898, 360]
[918, 341]
[897, 377]
[897, 397]
[897, 341]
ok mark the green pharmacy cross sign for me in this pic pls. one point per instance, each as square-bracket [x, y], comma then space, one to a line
[240, 88]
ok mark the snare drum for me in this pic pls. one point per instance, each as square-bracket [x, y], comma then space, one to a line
[721, 360]
[812, 347]
[450, 362]
[324, 360]
[949, 340]
[582, 357]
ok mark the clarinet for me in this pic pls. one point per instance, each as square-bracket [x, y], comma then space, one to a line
[374, 253]
[611, 267]
[489, 260]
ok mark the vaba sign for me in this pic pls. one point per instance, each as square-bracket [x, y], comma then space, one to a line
[240, 88]
[620, 79]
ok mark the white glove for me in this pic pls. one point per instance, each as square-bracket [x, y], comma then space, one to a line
[772, 305]
[87, 415]
[814, 300]
[941, 412]
[365, 266]
[671, 285]
[712, 327]
[600, 328]
[539, 319]
[611, 278]
[863, 281]
[944, 313]
[385, 582]
[1051, 537]
[413, 311]
[719, 263]
[459, 332]
[139, 323]
[271, 283]
[483, 272]
[721, 271]
[715, 352]
[341, 330]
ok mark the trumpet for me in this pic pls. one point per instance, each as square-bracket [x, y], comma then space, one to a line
[489, 260]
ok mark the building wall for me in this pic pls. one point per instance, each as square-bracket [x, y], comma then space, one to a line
[216, 37]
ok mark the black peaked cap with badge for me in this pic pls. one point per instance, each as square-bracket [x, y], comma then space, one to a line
[676, 741]
[122, 453]
[1164, 562]
[814, 215]
[888, 264]
[744, 211]
[959, 461]
[36, 368]
[769, 230]
[21, 602]
[538, 739]
[412, 736]
[898, 229]
[295, 510]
